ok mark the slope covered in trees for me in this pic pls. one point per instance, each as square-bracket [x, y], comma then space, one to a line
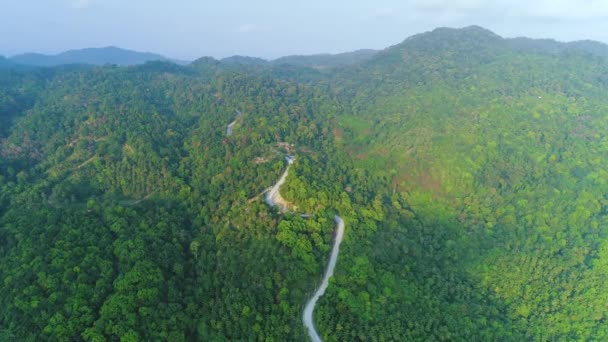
[468, 168]
[495, 158]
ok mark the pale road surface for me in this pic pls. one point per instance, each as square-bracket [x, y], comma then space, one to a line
[231, 125]
[329, 272]
[307, 319]
[229, 128]
[273, 193]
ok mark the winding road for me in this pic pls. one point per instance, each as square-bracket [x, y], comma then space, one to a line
[231, 125]
[273, 198]
[329, 272]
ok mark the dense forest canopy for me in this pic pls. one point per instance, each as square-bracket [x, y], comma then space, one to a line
[469, 169]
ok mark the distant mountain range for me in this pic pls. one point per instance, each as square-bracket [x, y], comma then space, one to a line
[317, 61]
[326, 60]
[552, 46]
[124, 57]
[90, 56]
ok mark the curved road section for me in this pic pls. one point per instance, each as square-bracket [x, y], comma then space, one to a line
[329, 272]
[271, 199]
[231, 125]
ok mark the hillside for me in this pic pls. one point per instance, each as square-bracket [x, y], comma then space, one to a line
[469, 171]
[91, 56]
[497, 153]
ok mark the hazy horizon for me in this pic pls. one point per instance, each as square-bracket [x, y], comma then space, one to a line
[270, 29]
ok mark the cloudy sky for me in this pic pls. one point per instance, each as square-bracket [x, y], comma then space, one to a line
[189, 29]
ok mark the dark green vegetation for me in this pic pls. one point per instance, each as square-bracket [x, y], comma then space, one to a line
[469, 169]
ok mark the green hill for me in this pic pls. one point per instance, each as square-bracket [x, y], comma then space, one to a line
[496, 152]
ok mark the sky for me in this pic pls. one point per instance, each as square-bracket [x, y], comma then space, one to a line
[188, 29]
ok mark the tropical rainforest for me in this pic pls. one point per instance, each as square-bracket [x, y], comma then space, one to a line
[470, 171]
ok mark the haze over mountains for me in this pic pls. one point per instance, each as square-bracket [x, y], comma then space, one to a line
[125, 57]
[90, 56]
[469, 170]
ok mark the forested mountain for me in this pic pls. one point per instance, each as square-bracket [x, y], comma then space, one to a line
[122, 57]
[90, 56]
[323, 61]
[327, 61]
[469, 170]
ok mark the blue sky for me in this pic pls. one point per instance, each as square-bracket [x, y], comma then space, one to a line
[189, 29]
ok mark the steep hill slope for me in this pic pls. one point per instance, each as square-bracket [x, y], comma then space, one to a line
[498, 153]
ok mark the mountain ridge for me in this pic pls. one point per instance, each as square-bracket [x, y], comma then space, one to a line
[448, 36]
[481, 36]
[91, 56]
